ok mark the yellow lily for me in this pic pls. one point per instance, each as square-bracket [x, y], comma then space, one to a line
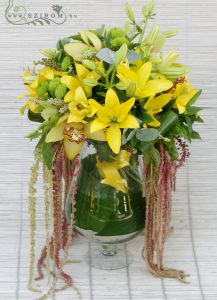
[183, 94]
[80, 107]
[73, 136]
[154, 105]
[114, 115]
[73, 82]
[109, 170]
[140, 77]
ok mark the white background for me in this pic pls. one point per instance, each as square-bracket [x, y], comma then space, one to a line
[193, 245]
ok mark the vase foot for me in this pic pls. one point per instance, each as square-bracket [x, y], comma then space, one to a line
[108, 256]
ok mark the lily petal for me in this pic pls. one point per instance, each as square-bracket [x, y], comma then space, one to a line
[158, 102]
[129, 122]
[158, 85]
[97, 125]
[70, 81]
[144, 73]
[82, 71]
[125, 74]
[125, 108]
[111, 99]
[97, 136]
[113, 136]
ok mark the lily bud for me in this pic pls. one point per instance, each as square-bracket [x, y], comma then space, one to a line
[121, 54]
[90, 82]
[170, 33]
[171, 57]
[89, 64]
[151, 6]
[49, 53]
[153, 34]
[130, 12]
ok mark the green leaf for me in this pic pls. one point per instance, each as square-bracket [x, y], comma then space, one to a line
[35, 117]
[146, 118]
[194, 98]
[192, 110]
[155, 155]
[167, 120]
[172, 149]
[195, 135]
[147, 134]
[47, 154]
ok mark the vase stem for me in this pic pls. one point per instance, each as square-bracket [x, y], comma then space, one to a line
[109, 249]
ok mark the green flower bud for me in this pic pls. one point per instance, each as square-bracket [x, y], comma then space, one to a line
[170, 33]
[66, 63]
[53, 85]
[117, 32]
[60, 91]
[121, 54]
[151, 6]
[130, 12]
[153, 34]
[42, 89]
[117, 42]
[89, 64]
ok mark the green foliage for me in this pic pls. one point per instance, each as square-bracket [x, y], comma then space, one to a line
[47, 154]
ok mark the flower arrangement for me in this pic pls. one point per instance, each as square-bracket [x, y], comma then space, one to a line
[114, 86]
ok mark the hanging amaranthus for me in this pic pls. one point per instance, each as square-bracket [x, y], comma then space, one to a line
[32, 212]
[160, 182]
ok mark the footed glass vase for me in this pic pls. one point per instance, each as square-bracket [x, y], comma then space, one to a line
[104, 215]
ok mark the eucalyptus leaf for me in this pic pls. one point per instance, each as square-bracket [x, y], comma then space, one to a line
[133, 56]
[106, 55]
[147, 134]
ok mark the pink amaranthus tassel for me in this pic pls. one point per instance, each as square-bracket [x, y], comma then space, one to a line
[160, 182]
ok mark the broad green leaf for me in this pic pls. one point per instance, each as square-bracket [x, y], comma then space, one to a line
[168, 120]
[195, 135]
[147, 134]
[35, 117]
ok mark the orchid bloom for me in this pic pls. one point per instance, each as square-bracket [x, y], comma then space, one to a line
[154, 105]
[140, 77]
[73, 136]
[114, 115]
[80, 107]
[183, 94]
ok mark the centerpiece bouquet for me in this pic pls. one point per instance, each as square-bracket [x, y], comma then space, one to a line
[116, 115]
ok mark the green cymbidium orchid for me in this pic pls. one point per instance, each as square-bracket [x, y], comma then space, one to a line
[73, 136]
[140, 77]
[114, 115]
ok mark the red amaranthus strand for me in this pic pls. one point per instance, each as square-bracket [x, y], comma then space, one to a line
[160, 182]
[63, 233]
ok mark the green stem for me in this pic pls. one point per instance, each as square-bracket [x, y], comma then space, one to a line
[143, 30]
[113, 76]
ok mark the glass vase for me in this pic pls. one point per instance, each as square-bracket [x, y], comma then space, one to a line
[107, 217]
